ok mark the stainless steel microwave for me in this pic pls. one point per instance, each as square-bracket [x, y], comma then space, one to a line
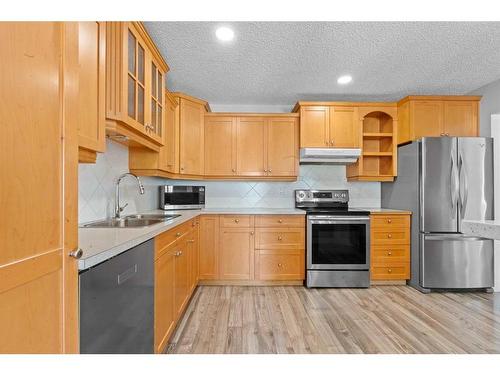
[179, 197]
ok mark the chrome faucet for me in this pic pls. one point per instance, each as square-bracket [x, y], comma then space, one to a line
[118, 208]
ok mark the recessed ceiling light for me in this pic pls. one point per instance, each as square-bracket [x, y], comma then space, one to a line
[224, 33]
[344, 80]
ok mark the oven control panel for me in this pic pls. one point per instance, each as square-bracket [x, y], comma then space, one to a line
[321, 196]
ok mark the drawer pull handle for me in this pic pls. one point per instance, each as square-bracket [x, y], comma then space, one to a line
[280, 238]
[280, 265]
[389, 221]
[280, 221]
[236, 220]
[389, 270]
[190, 241]
[389, 235]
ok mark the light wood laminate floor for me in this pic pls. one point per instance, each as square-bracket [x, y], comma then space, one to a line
[383, 319]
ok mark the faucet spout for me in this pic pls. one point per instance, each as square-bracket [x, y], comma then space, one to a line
[118, 208]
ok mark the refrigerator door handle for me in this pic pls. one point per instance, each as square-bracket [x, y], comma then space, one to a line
[454, 185]
[452, 237]
[464, 188]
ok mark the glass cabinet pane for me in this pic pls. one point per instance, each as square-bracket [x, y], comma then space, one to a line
[140, 64]
[131, 97]
[158, 130]
[140, 104]
[131, 52]
[153, 79]
[160, 87]
[153, 113]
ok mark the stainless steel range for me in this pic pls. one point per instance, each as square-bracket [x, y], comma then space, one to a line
[338, 240]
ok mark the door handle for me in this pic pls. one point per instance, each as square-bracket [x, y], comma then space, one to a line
[454, 185]
[465, 191]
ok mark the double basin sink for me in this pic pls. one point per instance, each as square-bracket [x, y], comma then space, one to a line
[131, 221]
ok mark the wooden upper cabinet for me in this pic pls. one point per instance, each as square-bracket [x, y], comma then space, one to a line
[282, 146]
[192, 135]
[135, 75]
[334, 126]
[169, 154]
[315, 126]
[434, 116]
[344, 127]
[461, 118]
[251, 146]
[220, 145]
[91, 90]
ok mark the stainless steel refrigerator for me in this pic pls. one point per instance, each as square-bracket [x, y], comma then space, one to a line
[443, 181]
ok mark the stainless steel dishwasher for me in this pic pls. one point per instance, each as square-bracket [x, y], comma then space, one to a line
[116, 303]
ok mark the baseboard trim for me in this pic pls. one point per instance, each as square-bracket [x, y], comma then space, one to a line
[251, 282]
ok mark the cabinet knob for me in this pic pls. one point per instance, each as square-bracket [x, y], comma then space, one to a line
[190, 241]
[442, 134]
[326, 143]
[234, 170]
[331, 143]
[389, 221]
[269, 170]
[236, 221]
[389, 235]
[280, 221]
[280, 265]
[389, 270]
[389, 253]
[280, 238]
[182, 168]
[447, 134]
[178, 234]
[77, 253]
[265, 170]
[251, 233]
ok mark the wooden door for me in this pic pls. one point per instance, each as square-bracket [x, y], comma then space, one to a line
[209, 247]
[91, 86]
[282, 146]
[182, 276]
[236, 253]
[426, 119]
[164, 298]
[220, 146]
[169, 154]
[135, 97]
[344, 127]
[251, 146]
[39, 187]
[314, 126]
[191, 138]
[460, 118]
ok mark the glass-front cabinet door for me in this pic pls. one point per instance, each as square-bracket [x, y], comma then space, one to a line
[156, 100]
[136, 83]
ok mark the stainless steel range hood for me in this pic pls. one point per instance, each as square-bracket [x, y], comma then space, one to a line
[339, 156]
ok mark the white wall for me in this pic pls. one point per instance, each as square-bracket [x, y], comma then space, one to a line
[490, 104]
[96, 187]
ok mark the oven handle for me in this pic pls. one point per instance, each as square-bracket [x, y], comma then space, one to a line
[324, 218]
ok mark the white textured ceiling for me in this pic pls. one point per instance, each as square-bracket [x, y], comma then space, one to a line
[282, 62]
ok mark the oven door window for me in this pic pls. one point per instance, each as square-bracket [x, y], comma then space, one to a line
[338, 244]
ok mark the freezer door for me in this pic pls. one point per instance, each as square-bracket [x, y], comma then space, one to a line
[475, 165]
[456, 261]
[439, 185]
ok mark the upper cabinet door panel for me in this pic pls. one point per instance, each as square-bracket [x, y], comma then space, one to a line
[251, 146]
[91, 87]
[314, 126]
[169, 157]
[460, 118]
[220, 146]
[427, 119]
[282, 146]
[344, 127]
[191, 138]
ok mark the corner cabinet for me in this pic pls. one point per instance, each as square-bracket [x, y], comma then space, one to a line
[91, 90]
[437, 116]
[135, 75]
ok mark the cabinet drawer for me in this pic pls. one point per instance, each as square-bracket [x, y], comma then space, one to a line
[390, 221]
[287, 221]
[396, 271]
[279, 238]
[236, 221]
[390, 236]
[162, 241]
[279, 265]
[388, 253]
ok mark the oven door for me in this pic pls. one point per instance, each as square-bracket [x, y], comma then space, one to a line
[338, 242]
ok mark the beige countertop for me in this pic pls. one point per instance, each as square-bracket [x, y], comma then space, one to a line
[381, 211]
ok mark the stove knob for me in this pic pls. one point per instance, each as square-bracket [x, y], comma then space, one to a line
[336, 195]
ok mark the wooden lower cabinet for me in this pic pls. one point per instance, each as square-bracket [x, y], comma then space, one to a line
[236, 253]
[279, 264]
[176, 275]
[390, 246]
[209, 247]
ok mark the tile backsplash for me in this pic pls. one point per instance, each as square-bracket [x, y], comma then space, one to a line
[97, 188]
